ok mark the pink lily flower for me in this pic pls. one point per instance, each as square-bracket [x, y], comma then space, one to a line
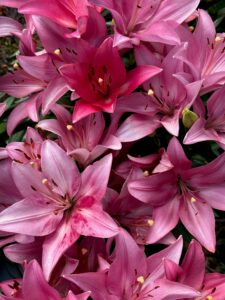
[186, 193]
[162, 104]
[140, 277]
[9, 26]
[59, 203]
[192, 273]
[204, 54]
[85, 140]
[152, 163]
[3, 108]
[28, 151]
[38, 77]
[150, 21]
[67, 13]
[146, 225]
[34, 286]
[212, 127]
[99, 81]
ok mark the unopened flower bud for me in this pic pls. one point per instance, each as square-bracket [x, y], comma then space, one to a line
[189, 118]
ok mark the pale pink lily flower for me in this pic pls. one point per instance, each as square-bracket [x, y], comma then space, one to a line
[203, 52]
[100, 81]
[212, 126]
[148, 20]
[59, 203]
[186, 193]
[139, 277]
[85, 140]
[34, 286]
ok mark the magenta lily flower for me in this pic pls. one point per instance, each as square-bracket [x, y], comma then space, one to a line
[140, 277]
[212, 127]
[59, 203]
[150, 21]
[34, 286]
[99, 81]
[85, 140]
[186, 193]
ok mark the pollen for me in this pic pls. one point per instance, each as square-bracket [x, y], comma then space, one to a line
[113, 22]
[193, 200]
[69, 127]
[150, 222]
[15, 66]
[217, 39]
[141, 279]
[44, 181]
[100, 80]
[209, 297]
[146, 173]
[150, 92]
[57, 51]
[191, 28]
[84, 251]
[32, 164]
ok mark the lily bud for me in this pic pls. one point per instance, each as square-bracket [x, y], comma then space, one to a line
[189, 118]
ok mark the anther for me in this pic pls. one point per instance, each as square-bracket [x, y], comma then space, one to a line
[150, 92]
[84, 251]
[193, 200]
[15, 66]
[146, 173]
[191, 28]
[141, 280]
[32, 164]
[209, 297]
[150, 222]
[57, 51]
[69, 127]
[44, 181]
[100, 80]
[217, 39]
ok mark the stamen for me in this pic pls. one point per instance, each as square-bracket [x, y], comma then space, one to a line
[191, 28]
[217, 39]
[150, 92]
[146, 173]
[150, 222]
[84, 251]
[32, 164]
[57, 51]
[44, 181]
[100, 80]
[141, 279]
[15, 66]
[193, 200]
[69, 127]
[209, 297]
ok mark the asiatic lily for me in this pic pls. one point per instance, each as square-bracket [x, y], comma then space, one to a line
[59, 202]
[186, 193]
